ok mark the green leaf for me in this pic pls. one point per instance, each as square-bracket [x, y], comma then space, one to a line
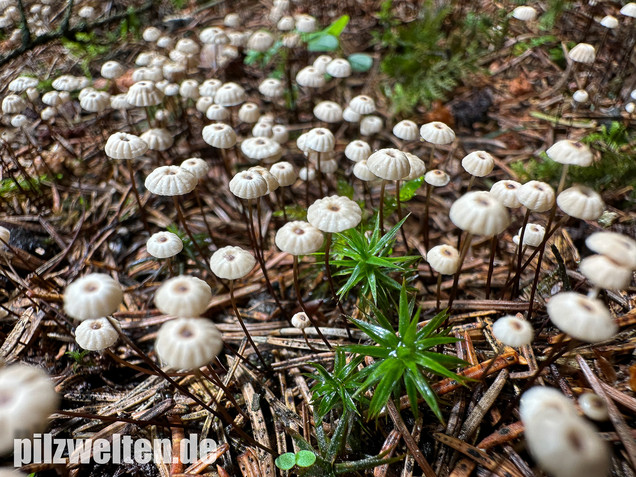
[305, 458]
[286, 461]
[378, 334]
[425, 391]
[323, 43]
[344, 188]
[337, 26]
[407, 191]
[391, 371]
[360, 62]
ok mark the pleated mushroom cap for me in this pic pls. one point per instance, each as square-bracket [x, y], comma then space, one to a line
[27, 399]
[232, 263]
[389, 164]
[5, 235]
[230, 94]
[183, 296]
[478, 163]
[479, 213]
[270, 179]
[582, 53]
[532, 237]
[300, 320]
[513, 331]
[443, 259]
[570, 152]
[299, 238]
[362, 172]
[96, 334]
[320, 140]
[164, 245]
[125, 146]
[524, 13]
[284, 172]
[196, 166]
[339, 68]
[144, 93]
[158, 139]
[370, 125]
[310, 77]
[187, 46]
[437, 133]
[22, 83]
[350, 115]
[629, 10]
[506, 192]
[249, 113]
[536, 196]
[260, 41]
[13, 104]
[262, 129]
[170, 181]
[357, 150]
[618, 247]
[436, 178]
[362, 104]
[583, 318]
[248, 185]
[406, 130]
[334, 214]
[418, 167]
[260, 148]
[95, 101]
[328, 111]
[271, 88]
[92, 296]
[188, 343]
[219, 135]
[593, 406]
[280, 133]
[581, 202]
[603, 272]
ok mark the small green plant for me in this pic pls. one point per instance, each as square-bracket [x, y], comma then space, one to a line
[79, 357]
[289, 460]
[335, 389]
[366, 261]
[86, 47]
[404, 359]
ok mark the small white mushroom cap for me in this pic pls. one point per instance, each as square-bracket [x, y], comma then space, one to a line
[300, 320]
[532, 237]
[284, 172]
[92, 296]
[582, 53]
[370, 125]
[310, 77]
[334, 214]
[219, 135]
[170, 181]
[536, 196]
[307, 174]
[603, 272]
[271, 88]
[248, 185]
[188, 343]
[286, 23]
[570, 152]
[436, 178]
[96, 334]
[581, 96]
[479, 213]
[320, 140]
[543, 401]
[183, 296]
[362, 104]
[437, 133]
[232, 20]
[187, 46]
[262, 129]
[609, 21]
[230, 94]
[362, 172]
[629, 10]
[389, 164]
[151, 34]
[581, 202]
[112, 70]
[328, 111]
[506, 192]
[5, 235]
[189, 89]
[144, 93]
[232, 263]
[261, 148]
[22, 83]
[13, 104]
[305, 23]
[299, 238]
[260, 41]
[196, 166]
[209, 87]
[478, 163]
[406, 130]
[418, 167]
[350, 115]
[27, 399]
[249, 113]
[164, 245]
[272, 182]
[618, 247]
[593, 406]
[158, 139]
[513, 331]
[125, 146]
[443, 259]
[339, 68]
[321, 63]
[524, 13]
[583, 318]
[357, 150]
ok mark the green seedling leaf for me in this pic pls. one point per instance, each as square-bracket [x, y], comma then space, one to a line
[337, 26]
[286, 461]
[408, 190]
[326, 42]
[360, 62]
[305, 458]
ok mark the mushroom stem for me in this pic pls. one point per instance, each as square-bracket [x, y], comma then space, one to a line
[331, 286]
[148, 117]
[217, 381]
[220, 412]
[281, 201]
[142, 211]
[382, 206]
[245, 330]
[462, 255]
[439, 289]
[493, 251]
[517, 277]
[564, 173]
[227, 164]
[205, 220]
[399, 212]
[319, 173]
[186, 227]
[537, 271]
[431, 157]
[471, 182]
[304, 308]
[426, 215]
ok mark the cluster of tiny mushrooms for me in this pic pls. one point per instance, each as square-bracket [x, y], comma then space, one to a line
[164, 87]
